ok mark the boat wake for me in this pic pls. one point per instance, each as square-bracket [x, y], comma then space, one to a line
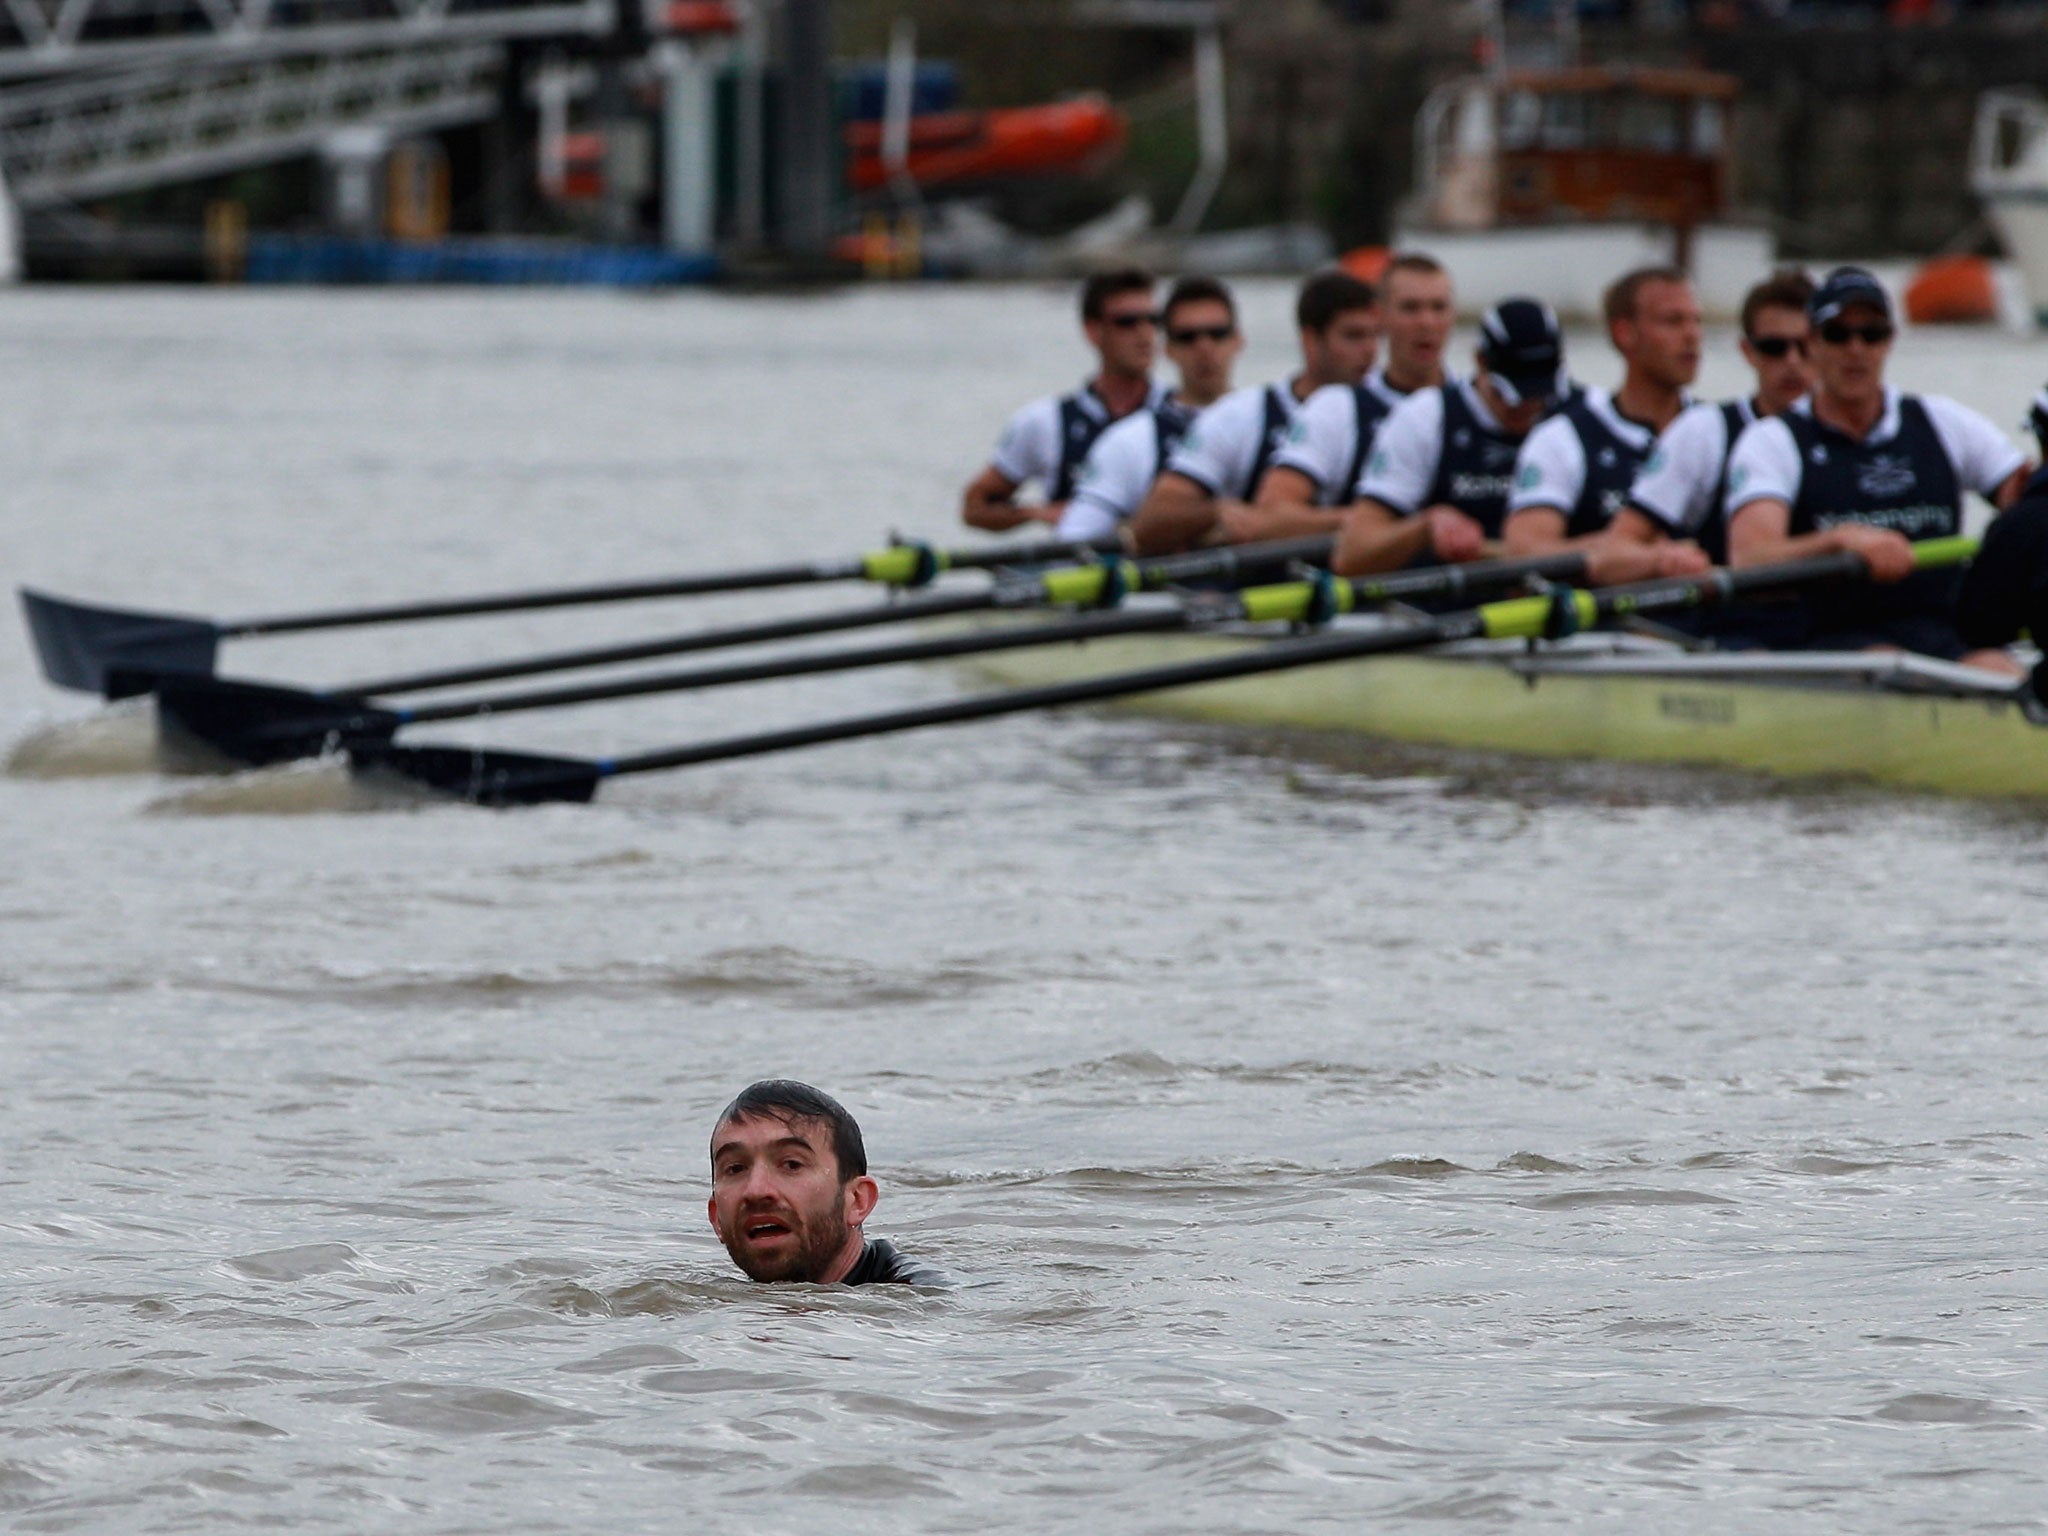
[315, 787]
[119, 740]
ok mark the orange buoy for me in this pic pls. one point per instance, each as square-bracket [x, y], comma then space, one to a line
[1952, 290]
[1368, 262]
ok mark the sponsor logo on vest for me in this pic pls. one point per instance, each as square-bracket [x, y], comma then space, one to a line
[1608, 459]
[1886, 474]
[1918, 522]
[1471, 487]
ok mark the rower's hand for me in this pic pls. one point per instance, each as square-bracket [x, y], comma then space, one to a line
[1454, 536]
[1050, 512]
[1239, 522]
[1887, 552]
[1681, 557]
[1612, 562]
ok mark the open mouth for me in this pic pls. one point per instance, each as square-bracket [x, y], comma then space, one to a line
[765, 1229]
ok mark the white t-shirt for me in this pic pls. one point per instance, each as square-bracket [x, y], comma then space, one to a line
[1550, 471]
[1114, 478]
[1223, 445]
[1323, 442]
[1409, 447]
[1676, 484]
[1766, 461]
[1032, 446]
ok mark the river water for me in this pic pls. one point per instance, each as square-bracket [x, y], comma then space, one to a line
[1323, 1137]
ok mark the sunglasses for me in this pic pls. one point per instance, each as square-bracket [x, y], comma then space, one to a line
[1778, 346]
[1131, 321]
[1188, 335]
[1836, 334]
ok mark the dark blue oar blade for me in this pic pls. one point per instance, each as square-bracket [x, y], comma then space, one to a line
[81, 646]
[261, 723]
[483, 777]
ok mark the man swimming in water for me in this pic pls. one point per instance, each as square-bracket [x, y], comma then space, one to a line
[790, 1189]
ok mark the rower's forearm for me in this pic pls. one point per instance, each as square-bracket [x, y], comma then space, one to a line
[1292, 520]
[1368, 547]
[993, 515]
[1168, 527]
[1538, 531]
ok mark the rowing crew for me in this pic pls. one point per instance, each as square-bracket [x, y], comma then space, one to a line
[1410, 465]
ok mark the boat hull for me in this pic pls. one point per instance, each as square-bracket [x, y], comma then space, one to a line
[1569, 266]
[1978, 746]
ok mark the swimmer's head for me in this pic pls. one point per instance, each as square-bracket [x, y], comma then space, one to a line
[789, 1184]
[784, 1099]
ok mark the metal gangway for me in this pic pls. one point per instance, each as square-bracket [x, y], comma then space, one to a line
[99, 97]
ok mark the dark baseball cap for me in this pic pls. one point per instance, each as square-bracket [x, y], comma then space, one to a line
[1522, 347]
[1843, 287]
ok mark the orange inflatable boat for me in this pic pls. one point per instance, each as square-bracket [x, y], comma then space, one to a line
[952, 148]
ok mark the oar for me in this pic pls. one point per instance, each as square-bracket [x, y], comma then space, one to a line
[101, 650]
[259, 723]
[489, 777]
[1098, 585]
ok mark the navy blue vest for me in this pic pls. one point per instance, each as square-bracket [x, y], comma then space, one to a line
[1174, 419]
[1906, 483]
[1475, 468]
[1079, 427]
[1712, 535]
[1279, 419]
[1611, 465]
[1372, 410]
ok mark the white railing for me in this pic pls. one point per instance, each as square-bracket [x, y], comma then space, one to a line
[107, 132]
[43, 37]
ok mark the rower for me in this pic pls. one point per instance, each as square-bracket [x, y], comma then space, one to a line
[2005, 590]
[1679, 491]
[1859, 466]
[1435, 488]
[1317, 469]
[1574, 472]
[1203, 341]
[790, 1191]
[1204, 495]
[1048, 439]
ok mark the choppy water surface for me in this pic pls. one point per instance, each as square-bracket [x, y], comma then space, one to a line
[1323, 1135]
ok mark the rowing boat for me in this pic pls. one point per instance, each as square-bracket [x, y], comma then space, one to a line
[1905, 721]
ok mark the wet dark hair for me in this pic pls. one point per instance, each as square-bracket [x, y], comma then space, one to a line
[1786, 288]
[1198, 290]
[1104, 286]
[1329, 294]
[782, 1098]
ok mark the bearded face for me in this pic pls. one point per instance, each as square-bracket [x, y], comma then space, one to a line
[778, 1202]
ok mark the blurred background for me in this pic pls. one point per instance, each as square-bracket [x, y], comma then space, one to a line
[662, 141]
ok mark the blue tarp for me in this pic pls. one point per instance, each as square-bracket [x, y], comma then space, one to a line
[334, 259]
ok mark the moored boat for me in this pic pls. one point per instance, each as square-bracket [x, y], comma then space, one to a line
[1900, 720]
